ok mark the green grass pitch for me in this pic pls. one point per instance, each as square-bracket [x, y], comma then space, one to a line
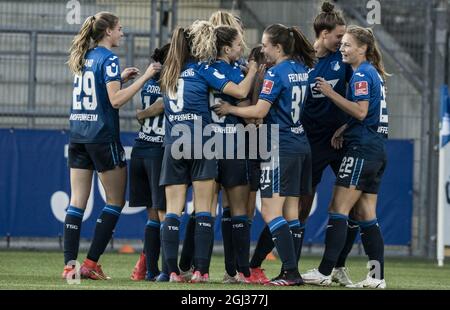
[27, 270]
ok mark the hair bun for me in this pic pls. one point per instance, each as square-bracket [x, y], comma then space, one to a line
[327, 7]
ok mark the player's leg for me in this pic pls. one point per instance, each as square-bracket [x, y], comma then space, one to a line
[80, 184]
[140, 196]
[186, 263]
[342, 201]
[371, 236]
[340, 273]
[204, 227]
[272, 212]
[240, 229]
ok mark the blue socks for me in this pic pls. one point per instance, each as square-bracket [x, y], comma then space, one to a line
[241, 242]
[226, 227]
[282, 238]
[103, 231]
[72, 229]
[373, 244]
[152, 245]
[334, 242]
[203, 240]
[170, 238]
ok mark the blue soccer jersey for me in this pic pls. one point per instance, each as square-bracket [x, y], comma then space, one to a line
[368, 135]
[92, 117]
[226, 124]
[190, 103]
[320, 116]
[285, 86]
[151, 134]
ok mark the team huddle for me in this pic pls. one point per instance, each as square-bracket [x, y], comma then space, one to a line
[221, 123]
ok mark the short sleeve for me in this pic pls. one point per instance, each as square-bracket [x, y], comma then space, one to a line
[111, 69]
[360, 86]
[271, 87]
[213, 77]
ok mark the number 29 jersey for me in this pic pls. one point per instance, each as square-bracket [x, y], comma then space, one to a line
[92, 117]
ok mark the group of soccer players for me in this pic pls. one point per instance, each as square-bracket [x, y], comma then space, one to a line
[326, 101]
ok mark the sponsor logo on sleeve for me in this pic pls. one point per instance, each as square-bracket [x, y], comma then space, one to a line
[361, 88]
[267, 87]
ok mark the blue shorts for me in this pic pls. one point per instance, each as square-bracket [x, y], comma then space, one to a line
[96, 156]
[232, 172]
[323, 155]
[254, 174]
[364, 174]
[289, 176]
[145, 190]
[185, 171]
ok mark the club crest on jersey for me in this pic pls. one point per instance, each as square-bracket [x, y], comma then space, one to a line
[267, 87]
[112, 70]
[335, 65]
[361, 88]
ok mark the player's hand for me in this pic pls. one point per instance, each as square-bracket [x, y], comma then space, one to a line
[139, 116]
[259, 121]
[261, 72]
[249, 121]
[129, 74]
[323, 86]
[222, 109]
[152, 69]
[252, 67]
[337, 140]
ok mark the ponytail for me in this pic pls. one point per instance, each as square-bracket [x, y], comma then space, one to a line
[293, 42]
[80, 46]
[303, 50]
[203, 41]
[177, 56]
[92, 31]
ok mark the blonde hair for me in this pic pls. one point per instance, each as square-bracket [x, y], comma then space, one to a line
[222, 18]
[203, 41]
[92, 31]
[365, 36]
[197, 42]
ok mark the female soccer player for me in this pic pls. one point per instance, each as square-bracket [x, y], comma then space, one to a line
[321, 118]
[288, 174]
[185, 82]
[232, 163]
[364, 161]
[145, 168]
[94, 134]
[217, 19]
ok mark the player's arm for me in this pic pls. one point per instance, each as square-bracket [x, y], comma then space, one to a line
[118, 97]
[357, 109]
[259, 110]
[157, 108]
[241, 90]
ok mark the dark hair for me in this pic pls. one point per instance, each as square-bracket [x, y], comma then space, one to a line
[365, 36]
[160, 54]
[257, 55]
[225, 35]
[293, 42]
[328, 19]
